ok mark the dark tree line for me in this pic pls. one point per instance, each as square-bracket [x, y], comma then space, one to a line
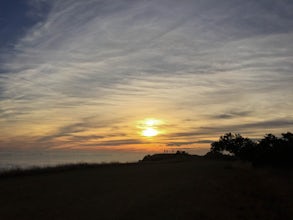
[269, 151]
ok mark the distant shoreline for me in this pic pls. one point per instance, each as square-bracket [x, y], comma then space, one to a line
[36, 170]
[45, 169]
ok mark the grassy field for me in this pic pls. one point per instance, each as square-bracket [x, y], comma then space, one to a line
[192, 189]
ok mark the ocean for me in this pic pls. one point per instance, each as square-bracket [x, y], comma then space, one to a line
[28, 159]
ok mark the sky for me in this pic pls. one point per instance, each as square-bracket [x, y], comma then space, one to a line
[143, 75]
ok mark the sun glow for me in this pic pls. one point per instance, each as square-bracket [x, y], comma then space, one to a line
[151, 122]
[150, 132]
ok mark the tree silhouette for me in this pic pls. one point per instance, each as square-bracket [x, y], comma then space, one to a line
[270, 150]
[235, 144]
[287, 149]
[288, 137]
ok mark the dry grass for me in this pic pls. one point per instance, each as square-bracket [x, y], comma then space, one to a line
[197, 189]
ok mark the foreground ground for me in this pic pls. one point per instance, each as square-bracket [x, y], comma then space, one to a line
[196, 189]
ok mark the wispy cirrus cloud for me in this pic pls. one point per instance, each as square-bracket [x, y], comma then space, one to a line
[131, 59]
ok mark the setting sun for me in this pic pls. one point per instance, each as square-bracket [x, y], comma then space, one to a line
[150, 127]
[150, 132]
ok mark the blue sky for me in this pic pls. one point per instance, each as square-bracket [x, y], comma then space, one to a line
[87, 74]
